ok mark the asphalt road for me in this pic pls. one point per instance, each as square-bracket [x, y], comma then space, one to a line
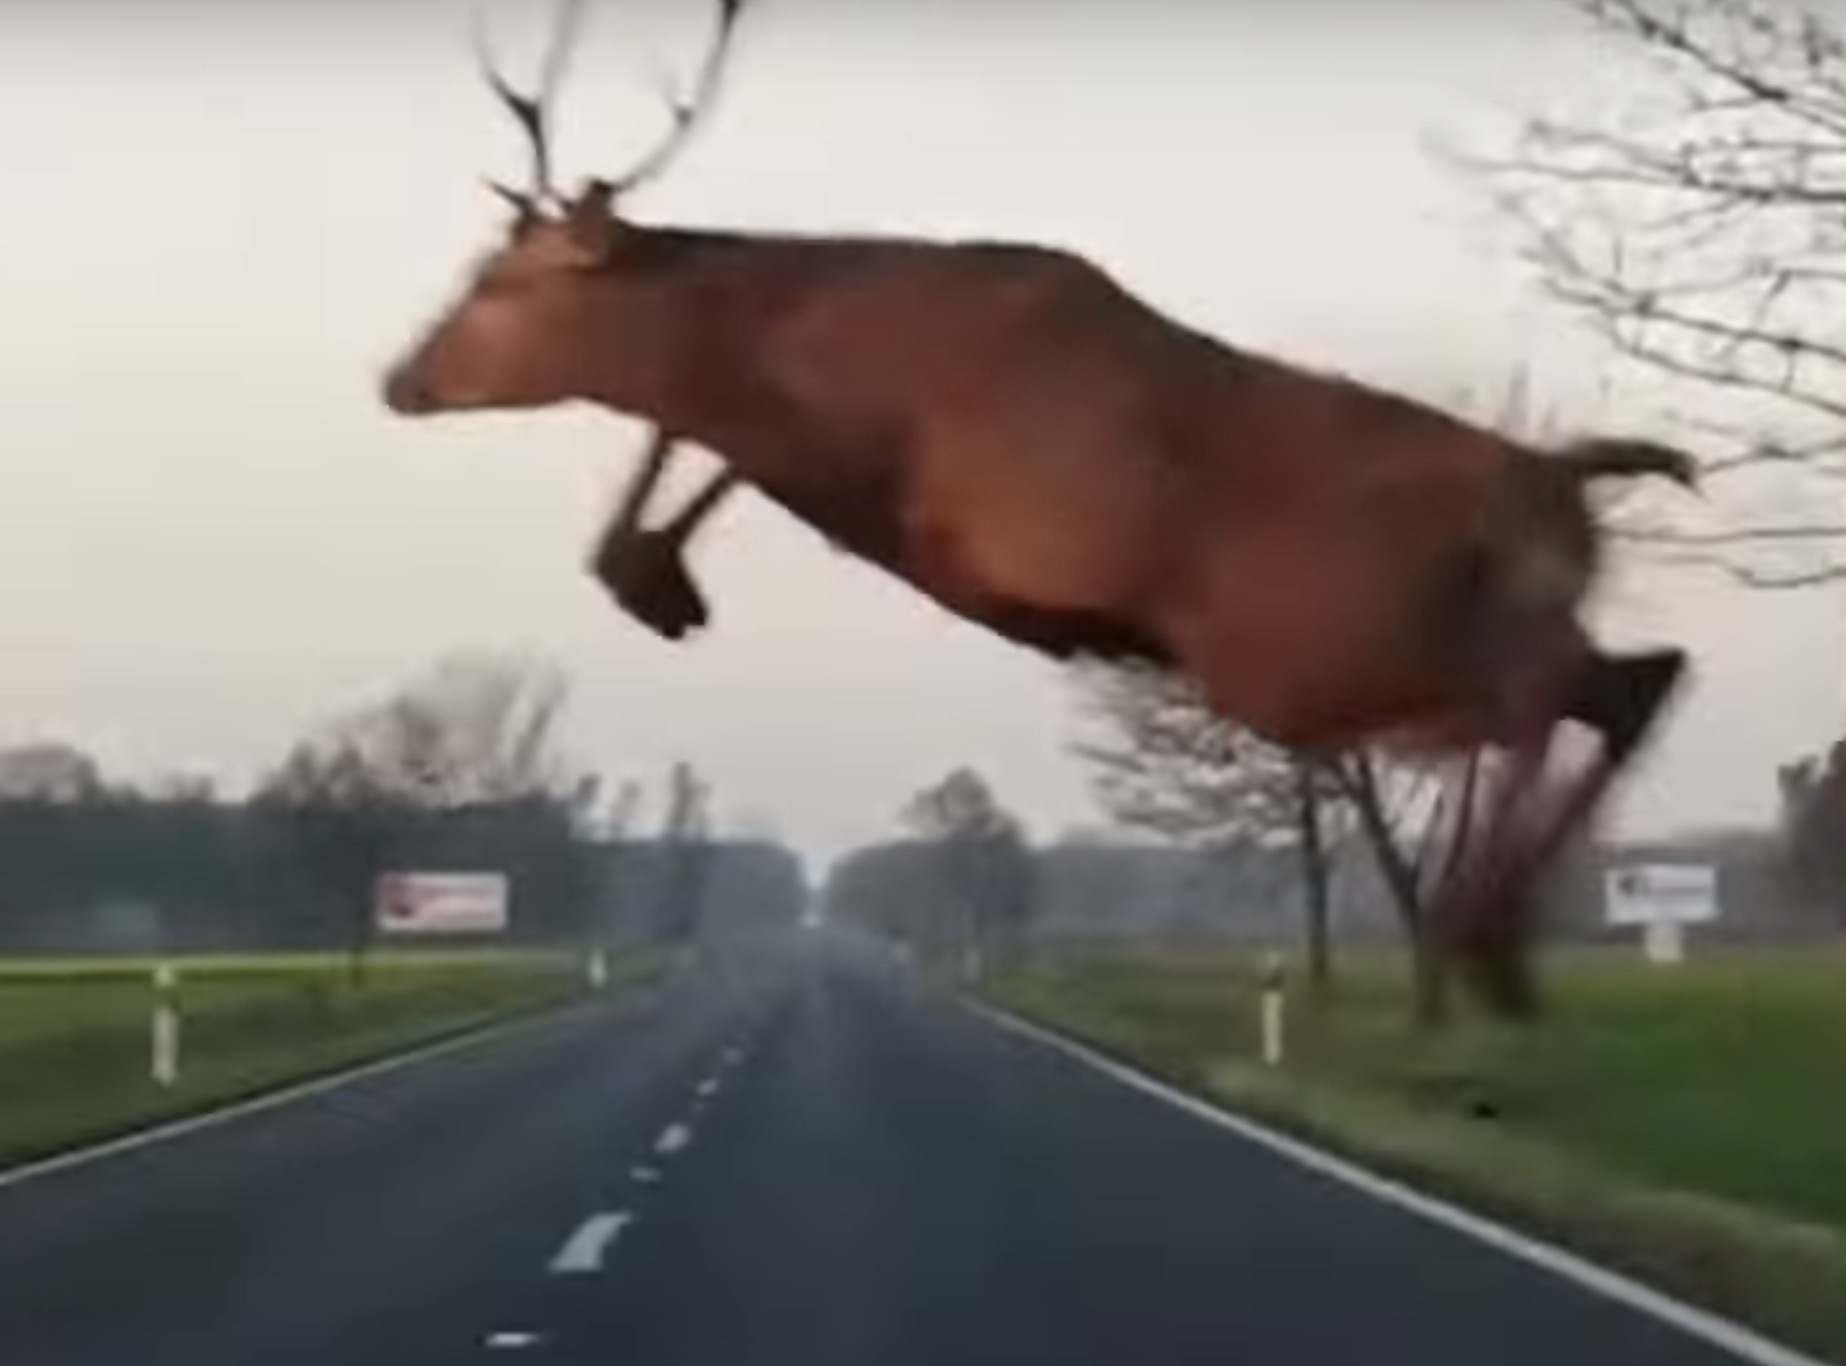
[810, 1163]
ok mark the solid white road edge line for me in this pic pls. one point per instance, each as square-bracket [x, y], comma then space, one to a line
[583, 1250]
[286, 1095]
[1724, 1333]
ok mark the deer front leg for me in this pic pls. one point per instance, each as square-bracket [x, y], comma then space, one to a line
[645, 569]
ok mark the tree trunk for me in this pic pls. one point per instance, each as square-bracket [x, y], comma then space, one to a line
[1314, 881]
[1429, 968]
[1429, 978]
[1429, 963]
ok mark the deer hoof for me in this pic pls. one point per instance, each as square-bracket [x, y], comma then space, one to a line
[646, 574]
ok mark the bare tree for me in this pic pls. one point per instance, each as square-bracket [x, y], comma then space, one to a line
[1161, 760]
[615, 819]
[49, 771]
[1409, 829]
[686, 840]
[1697, 227]
[339, 819]
[1164, 761]
[1813, 792]
[983, 854]
[477, 728]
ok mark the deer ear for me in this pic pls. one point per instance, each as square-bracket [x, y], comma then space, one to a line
[592, 221]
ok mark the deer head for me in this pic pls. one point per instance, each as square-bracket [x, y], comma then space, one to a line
[519, 333]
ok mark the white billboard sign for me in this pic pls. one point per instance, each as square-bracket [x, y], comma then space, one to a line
[441, 903]
[1661, 898]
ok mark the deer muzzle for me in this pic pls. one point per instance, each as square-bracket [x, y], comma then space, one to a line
[406, 393]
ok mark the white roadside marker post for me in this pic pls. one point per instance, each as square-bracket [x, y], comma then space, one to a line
[973, 963]
[1273, 1010]
[163, 1060]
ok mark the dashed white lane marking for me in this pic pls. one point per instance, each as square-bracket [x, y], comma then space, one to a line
[583, 1250]
[708, 1088]
[672, 1139]
[647, 1176]
[513, 1339]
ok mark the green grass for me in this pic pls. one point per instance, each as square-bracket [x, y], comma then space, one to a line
[1687, 1125]
[74, 1033]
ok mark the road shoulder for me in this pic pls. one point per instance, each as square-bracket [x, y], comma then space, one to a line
[1414, 1169]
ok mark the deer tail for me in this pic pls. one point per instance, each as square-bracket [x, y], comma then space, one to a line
[1602, 457]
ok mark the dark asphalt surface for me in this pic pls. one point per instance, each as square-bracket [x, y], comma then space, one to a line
[872, 1178]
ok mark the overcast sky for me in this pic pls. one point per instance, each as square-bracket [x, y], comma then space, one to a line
[220, 224]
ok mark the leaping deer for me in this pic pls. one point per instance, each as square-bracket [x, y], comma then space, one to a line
[1007, 428]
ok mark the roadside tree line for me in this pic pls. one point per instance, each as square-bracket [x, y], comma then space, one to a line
[964, 885]
[466, 765]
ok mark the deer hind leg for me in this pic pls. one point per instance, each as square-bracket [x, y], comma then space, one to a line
[1620, 697]
[1485, 914]
[1480, 913]
[645, 569]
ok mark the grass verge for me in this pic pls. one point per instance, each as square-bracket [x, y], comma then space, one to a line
[1687, 1128]
[74, 1034]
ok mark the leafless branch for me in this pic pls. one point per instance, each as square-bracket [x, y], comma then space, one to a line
[1164, 761]
[477, 728]
[1750, 576]
[1699, 231]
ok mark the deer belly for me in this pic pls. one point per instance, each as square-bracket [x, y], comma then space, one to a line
[1310, 646]
[1077, 537]
[855, 505]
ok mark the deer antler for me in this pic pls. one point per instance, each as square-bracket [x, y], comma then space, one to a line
[686, 114]
[532, 112]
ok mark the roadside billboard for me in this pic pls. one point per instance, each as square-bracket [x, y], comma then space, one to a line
[1663, 899]
[440, 903]
[1642, 893]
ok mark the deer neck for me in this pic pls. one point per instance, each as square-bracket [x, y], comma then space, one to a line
[679, 335]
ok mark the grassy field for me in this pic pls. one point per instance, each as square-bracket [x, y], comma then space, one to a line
[74, 1033]
[1687, 1125]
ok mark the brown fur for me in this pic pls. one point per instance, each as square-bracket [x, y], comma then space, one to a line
[1007, 428]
